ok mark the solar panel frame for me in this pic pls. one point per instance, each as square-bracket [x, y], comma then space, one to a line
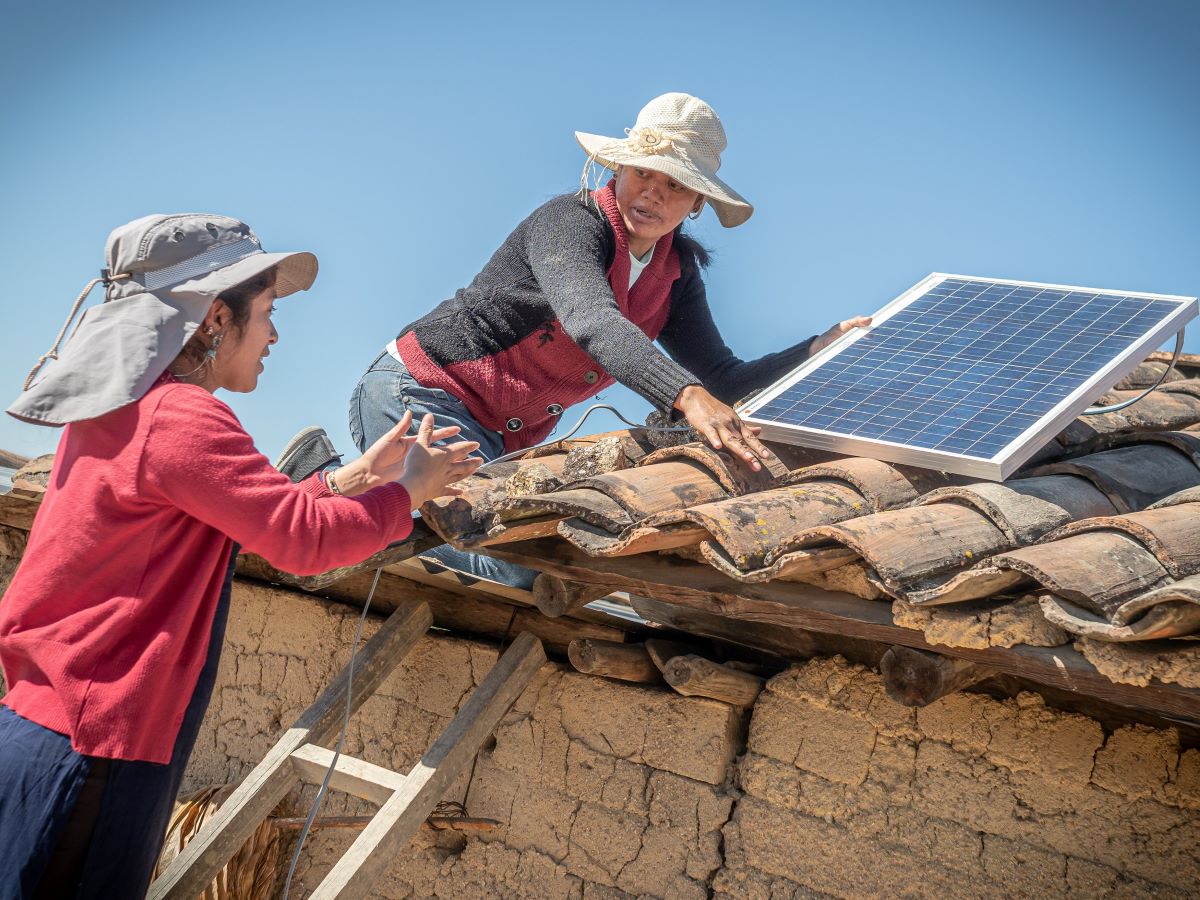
[1016, 451]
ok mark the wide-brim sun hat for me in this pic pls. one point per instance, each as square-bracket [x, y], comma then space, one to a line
[162, 274]
[682, 137]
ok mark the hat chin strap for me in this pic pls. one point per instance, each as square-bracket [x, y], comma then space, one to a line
[52, 353]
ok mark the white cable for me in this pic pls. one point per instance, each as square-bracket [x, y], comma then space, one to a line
[337, 752]
[1097, 410]
[587, 412]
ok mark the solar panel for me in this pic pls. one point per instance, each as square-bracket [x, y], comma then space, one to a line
[967, 375]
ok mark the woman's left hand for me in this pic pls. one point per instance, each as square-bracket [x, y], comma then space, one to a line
[821, 342]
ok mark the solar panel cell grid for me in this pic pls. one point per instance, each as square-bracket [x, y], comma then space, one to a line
[967, 366]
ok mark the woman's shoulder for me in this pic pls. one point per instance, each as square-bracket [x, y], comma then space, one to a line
[568, 209]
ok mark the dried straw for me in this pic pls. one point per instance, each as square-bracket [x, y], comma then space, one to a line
[250, 874]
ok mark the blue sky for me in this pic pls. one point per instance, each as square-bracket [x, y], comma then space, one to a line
[1048, 141]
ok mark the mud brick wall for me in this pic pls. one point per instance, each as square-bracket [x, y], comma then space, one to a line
[848, 794]
[599, 786]
[607, 790]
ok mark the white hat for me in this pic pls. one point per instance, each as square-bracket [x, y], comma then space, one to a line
[678, 135]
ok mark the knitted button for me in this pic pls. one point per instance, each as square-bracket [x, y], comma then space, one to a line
[554, 409]
[514, 424]
[591, 377]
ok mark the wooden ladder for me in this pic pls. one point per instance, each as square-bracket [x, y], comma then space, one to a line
[405, 800]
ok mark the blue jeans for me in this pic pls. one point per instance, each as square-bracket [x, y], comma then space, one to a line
[379, 401]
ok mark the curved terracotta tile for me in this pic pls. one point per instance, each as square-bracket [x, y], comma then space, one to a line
[1096, 570]
[980, 581]
[1026, 509]
[1131, 477]
[734, 476]
[1171, 533]
[589, 505]
[752, 528]
[884, 485]
[632, 540]
[1174, 613]
[908, 545]
[643, 491]
[791, 566]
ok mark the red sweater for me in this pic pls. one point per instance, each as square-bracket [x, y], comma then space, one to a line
[106, 624]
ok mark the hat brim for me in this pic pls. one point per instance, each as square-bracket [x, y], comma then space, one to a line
[732, 208]
[295, 272]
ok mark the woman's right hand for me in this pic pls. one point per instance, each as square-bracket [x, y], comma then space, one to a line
[425, 470]
[718, 424]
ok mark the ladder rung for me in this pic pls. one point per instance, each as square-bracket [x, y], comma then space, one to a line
[352, 775]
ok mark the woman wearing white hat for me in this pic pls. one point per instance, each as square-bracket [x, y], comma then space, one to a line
[575, 299]
[111, 629]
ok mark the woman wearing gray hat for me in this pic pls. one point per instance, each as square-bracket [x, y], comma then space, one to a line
[111, 629]
[575, 299]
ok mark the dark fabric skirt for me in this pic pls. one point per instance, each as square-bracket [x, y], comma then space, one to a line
[86, 827]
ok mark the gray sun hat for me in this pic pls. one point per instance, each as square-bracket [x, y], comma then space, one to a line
[680, 136]
[162, 275]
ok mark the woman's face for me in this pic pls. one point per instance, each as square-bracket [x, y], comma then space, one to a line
[240, 357]
[652, 204]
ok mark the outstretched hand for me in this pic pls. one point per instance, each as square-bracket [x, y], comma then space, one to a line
[425, 470]
[718, 424]
[822, 341]
[430, 470]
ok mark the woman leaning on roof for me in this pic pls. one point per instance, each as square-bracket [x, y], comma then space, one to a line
[575, 299]
[111, 629]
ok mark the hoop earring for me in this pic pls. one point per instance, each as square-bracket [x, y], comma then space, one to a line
[695, 214]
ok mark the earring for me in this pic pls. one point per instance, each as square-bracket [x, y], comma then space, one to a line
[695, 214]
[216, 343]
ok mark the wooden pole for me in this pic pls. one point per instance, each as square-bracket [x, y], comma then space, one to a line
[917, 678]
[624, 662]
[556, 597]
[661, 651]
[695, 676]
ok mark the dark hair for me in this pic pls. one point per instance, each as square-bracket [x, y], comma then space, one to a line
[685, 243]
[237, 298]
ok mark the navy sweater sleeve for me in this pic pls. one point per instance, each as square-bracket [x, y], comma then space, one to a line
[691, 337]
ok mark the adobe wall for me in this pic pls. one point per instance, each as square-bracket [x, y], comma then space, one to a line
[609, 790]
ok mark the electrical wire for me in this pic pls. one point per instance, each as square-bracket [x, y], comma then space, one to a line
[587, 412]
[337, 752]
[1114, 407]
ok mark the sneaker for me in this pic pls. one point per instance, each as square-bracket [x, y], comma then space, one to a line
[308, 452]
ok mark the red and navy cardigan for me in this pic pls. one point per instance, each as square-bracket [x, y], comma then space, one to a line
[551, 320]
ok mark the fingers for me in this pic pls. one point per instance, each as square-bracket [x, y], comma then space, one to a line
[459, 451]
[398, 431]
[750, 436]
[449, 431]
[856, 322]
[740, 447]
[709, 433]
[425, 432]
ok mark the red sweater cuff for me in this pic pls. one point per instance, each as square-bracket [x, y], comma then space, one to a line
[396, 507]
[314, 484]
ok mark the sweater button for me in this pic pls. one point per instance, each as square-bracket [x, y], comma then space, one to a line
[591, 377]
[514, 424]
[554, 409]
